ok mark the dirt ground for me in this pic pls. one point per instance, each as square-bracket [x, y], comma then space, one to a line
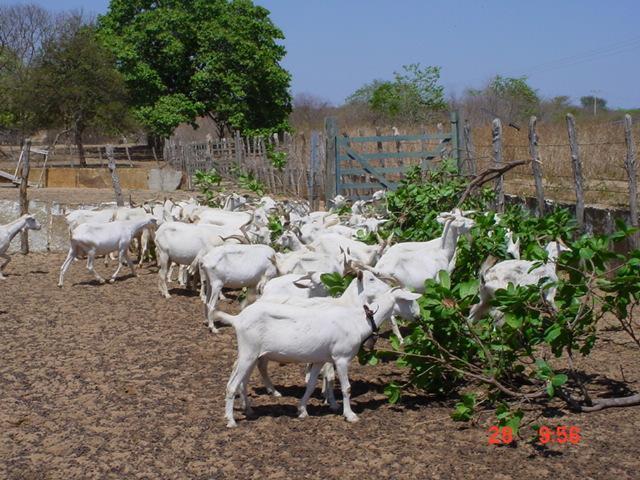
[114, 381]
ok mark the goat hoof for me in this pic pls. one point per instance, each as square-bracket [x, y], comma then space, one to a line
[111, 280]
[335, 407]
[303, 413]
[353, 418]
[232, 424]
[276, 393]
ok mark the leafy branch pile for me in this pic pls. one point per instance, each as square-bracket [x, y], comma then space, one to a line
[528, 356]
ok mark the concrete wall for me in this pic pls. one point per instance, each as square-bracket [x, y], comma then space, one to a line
[54, 234]
[156, 179]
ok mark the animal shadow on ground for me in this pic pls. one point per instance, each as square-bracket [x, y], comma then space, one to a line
[107, 282]
[183, 292]
[544, 451]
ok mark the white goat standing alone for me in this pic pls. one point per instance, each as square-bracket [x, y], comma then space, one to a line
[517, 272]
[10, 230]
[312, 333]
[93, 239]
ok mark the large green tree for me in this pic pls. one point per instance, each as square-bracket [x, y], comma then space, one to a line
[76, 85]
[184, 58]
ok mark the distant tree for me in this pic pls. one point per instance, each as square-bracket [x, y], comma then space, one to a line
[77, 86]
[588, 102]
[23, 29]
[186, 58]
[309, 111]
[508, 98]
[555, 108]
[413, 95]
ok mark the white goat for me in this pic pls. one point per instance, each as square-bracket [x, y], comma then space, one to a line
[234, 266]
[292, 285]
[333, 244]
[303, 261]
[307, 334]
[411, 263]
[93, 239]
[180, 243]
[362, 290]
[517, 272]
[10, 230]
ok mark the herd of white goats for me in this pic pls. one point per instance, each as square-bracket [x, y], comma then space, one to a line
[294, 319]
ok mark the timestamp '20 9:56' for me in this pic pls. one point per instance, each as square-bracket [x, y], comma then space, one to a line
[560, 435]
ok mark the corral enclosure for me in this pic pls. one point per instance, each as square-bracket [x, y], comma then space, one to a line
[126, 383]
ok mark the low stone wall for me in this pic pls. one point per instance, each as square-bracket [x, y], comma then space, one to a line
[157, 179]
[597, 219]
[54, 234]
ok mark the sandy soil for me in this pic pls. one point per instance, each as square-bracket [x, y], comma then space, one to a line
[114, 381]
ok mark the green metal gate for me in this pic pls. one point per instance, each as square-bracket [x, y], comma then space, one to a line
[363, 164]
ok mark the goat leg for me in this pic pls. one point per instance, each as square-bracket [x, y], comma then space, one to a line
[7, 260]
[311, 384]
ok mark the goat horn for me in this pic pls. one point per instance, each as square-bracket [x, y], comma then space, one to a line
[240, 238]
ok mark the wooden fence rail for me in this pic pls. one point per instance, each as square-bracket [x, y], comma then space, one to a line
[301, 176]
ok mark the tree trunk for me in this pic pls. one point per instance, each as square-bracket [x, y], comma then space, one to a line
[77, 132]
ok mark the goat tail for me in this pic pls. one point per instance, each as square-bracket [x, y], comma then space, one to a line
[194, 266]
[223, 317]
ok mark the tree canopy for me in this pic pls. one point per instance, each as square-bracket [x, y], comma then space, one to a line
[76, 85]
[413, 95]
[185, 58]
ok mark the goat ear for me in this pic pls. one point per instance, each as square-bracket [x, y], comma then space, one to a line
[303, 283]
[359, 275]
[407, 295]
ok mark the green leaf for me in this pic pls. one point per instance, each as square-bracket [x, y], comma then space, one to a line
[513, 321]
[445, 280]
[559, 379]
[470, 288]
[550, 390]
[393, 391]
[586, 253]
[552, 334]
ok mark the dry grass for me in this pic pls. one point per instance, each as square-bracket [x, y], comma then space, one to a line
[602, 152]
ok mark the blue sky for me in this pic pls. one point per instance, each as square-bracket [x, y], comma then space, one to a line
[566, 47]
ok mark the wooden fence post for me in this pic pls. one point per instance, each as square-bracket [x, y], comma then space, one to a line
[314, 163]
[114, 176]
[126, 149]
[468, 148]
[331, 132]
[238, 149]
[24, 201]
[455, 139]
[630, 167]
[496, 142]
[577, 169]
[536, 166]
